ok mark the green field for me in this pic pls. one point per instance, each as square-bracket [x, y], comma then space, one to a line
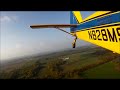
[82, 63]
[105, 71]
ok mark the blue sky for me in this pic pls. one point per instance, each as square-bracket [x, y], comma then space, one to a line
[18, 39]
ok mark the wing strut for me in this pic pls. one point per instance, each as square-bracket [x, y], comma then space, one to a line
[64, 31]
[57, 26]
[74, 42]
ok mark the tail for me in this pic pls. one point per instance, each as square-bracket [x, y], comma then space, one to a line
[75, 18]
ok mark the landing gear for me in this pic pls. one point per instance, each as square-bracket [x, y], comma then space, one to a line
[74, 42]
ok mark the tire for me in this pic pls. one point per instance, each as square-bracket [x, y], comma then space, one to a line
[73, 45]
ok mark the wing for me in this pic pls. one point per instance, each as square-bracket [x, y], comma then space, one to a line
[53, 26]
[57, 26]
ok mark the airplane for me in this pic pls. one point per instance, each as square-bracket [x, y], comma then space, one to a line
[102, 28]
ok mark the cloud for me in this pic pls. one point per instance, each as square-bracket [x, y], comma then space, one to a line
[14, 18]
[8, 18]
[5, 19]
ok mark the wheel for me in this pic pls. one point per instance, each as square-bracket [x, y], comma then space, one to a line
[73, 45]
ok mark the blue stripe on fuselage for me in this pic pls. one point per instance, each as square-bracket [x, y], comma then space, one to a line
[113, 18]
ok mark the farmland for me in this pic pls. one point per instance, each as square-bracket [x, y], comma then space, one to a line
[90, 62]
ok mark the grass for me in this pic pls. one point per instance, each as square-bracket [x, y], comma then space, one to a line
[105, 71]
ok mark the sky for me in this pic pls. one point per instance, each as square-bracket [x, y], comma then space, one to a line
[17, 39]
